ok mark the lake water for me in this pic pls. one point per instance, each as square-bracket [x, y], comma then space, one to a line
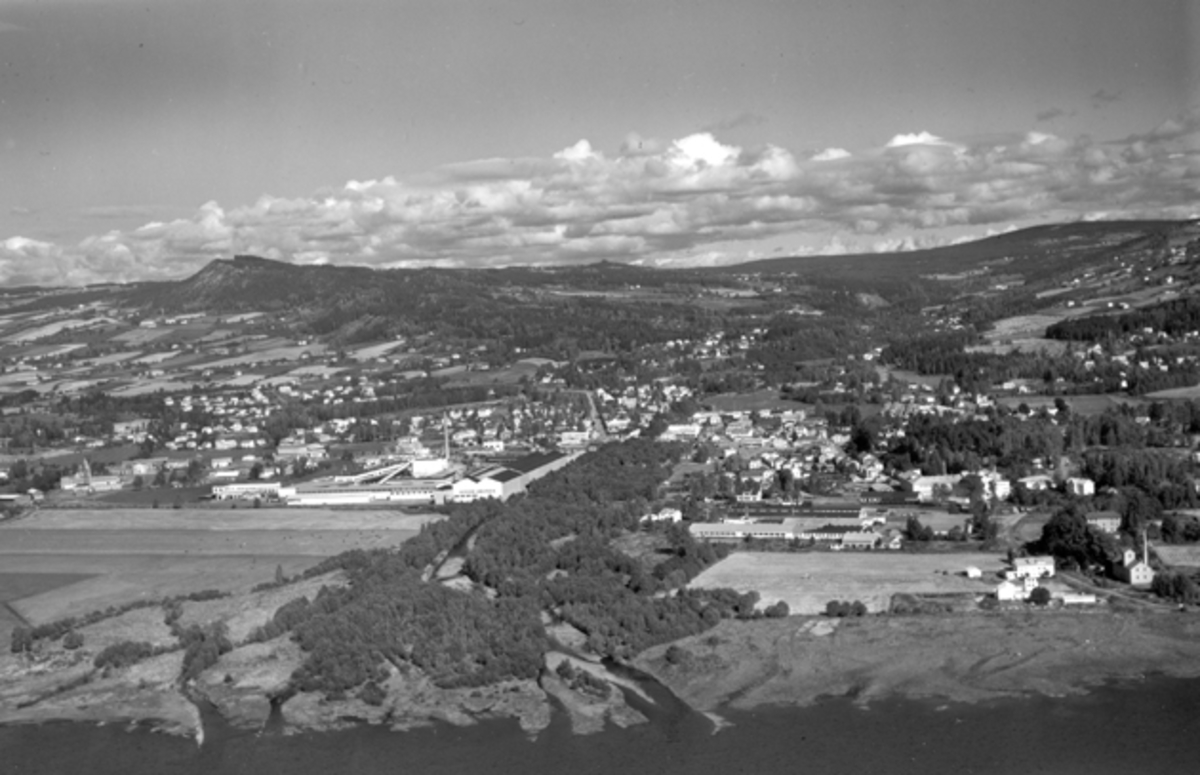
[1147, 727]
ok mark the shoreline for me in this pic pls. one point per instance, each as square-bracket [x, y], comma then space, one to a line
[955, 659]
[737, 666]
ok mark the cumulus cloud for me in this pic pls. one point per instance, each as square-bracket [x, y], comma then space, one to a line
[919, 138]
[832, 154]
[692, 199]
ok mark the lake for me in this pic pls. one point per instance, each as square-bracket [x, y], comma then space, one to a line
[1150, 726]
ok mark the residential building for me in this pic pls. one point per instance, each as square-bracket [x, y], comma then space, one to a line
[1081, 486]
[1031, 568]
[1136, 571]
[1104, 521]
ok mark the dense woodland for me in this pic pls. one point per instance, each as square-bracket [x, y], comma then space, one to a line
[1175, 318]
[548, 550]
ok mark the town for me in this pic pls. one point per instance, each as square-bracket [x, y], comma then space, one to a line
[639, 456]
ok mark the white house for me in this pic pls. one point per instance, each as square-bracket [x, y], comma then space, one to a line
[1009, 590]
[1031, 568]
[1081, 486]
[1134, 571]
[1104, 521]
[926, 486]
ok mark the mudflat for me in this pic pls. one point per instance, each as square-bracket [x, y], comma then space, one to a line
[964, 658]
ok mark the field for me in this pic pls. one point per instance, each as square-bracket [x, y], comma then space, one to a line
[1022, 326]
[140, 336]
[71, 561]
[750, 402]
[1024, 345]
[809, 580]
[375, 351]
[1184, 393]
[1082, 404]
[1181, 556]
[911, 377]
[152, 386]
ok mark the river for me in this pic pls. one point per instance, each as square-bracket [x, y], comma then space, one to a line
[1150, 726]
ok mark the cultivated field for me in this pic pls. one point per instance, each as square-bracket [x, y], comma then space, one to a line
[1089, 404]
[140, 336]
[240, 519]
[750, 402]
[1183, 393]
[1181, 556]
[809, 580]
[57, 563]
[1022, 326]
[1023, 345]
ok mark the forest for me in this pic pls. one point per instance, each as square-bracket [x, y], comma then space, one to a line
[1175, 317]
[548, 550]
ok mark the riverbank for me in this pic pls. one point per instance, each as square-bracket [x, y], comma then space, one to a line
[798, 660]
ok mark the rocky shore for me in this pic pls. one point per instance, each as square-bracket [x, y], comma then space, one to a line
[791, 661]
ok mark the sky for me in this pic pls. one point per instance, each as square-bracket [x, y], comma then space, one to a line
[140, 140]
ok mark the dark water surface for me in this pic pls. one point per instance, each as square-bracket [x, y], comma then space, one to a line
[1151, 727]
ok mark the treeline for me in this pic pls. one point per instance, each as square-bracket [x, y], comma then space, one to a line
[944, 445]
[1163, 476]
[1175, 317]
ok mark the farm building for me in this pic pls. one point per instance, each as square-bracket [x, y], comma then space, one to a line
[1031, 568]
[864, 539]
[1010, 590]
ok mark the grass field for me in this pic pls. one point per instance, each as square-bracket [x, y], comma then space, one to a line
[1024, 345]
[1183, 556]
[1022, 326]
[1089, 404]
[67, 562]
[809, 580]
[219, 520]
[1184, 393]
[749, 402]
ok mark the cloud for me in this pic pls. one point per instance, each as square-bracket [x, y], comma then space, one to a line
[832, 154]
[1050, 114]
[920, 138]
[695, 198]
[1104, 97]
[9, 27]
[736, 122]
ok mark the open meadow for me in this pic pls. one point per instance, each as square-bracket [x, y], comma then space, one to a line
[57, 563]
[1085, 404]
[1179, 556]
[806, 581]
